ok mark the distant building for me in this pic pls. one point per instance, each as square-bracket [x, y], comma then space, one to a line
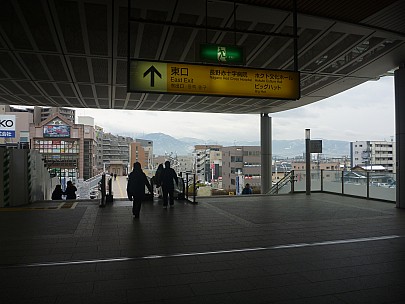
[137, 154]
[99, 132]
[279, 170]
[208, 162]
[243, 160]
[90, 167]
[141, 150]
[367, 153]
[42, 113]
[157, 160]
[62, 145]
[147, 146]
[116, 156]
[181, 164]
[301, 166]
[184, 164]
[26, 116]
[22, 127]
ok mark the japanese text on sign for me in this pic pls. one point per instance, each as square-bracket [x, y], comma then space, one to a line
[179, 78]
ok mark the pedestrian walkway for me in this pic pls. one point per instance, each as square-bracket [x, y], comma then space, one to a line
[120, 187]
[321, 248]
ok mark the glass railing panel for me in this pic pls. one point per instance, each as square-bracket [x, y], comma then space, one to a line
[382, 186]
[300, 180]
[332, 181]
[356, 188]
[316, 180]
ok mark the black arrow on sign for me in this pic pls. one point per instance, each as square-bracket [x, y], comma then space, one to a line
[152, 70]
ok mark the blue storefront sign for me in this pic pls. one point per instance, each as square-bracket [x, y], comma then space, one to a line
[7, 126]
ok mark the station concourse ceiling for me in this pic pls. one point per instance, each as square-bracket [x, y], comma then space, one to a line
[73, 53]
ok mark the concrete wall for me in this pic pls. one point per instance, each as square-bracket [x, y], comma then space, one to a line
[2, 202]
[41, 183]
[19, 192]
[28, 181]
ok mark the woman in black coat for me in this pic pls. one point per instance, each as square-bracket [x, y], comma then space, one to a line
[137, 181]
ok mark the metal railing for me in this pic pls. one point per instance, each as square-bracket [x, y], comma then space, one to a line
[282, 183]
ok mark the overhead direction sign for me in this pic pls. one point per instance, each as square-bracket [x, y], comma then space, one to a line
[179, 78]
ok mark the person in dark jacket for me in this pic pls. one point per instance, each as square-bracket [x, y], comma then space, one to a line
[57, 193]
[137, 181]
[156, 180]
[70, 190]
[168, 178]
[247, 189]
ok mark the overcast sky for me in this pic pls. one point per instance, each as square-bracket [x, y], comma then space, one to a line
[365, 112]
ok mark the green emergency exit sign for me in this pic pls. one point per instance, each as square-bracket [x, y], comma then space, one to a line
[227, 54]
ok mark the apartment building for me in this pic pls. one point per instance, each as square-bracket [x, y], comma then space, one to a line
[90, 167]
[369, 153]
[147, 146]
[185, 164]
[99, 150]
[116, 155]
[241, 160]
[208, 162]
[42, 113]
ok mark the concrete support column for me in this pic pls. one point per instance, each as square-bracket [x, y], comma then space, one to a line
[266, 152]
[400, 134]
[308, 161]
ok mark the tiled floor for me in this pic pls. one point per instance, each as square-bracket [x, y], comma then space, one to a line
[321, 248]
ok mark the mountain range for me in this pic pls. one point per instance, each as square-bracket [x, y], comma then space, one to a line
[163, 143]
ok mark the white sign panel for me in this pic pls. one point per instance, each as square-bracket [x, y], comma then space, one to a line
[7, 126]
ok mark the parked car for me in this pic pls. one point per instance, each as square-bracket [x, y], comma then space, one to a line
[93, 194]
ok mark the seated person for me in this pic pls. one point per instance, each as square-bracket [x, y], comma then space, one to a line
[57, 193]
[70, 190]
[247, 189]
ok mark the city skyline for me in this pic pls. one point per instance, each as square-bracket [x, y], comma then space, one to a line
[365, 112]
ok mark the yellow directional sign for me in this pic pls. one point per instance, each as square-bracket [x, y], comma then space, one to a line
[179, 78]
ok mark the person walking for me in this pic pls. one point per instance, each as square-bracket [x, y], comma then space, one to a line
[137, 181]
[157, 180]
[168, 178]
[70, 190]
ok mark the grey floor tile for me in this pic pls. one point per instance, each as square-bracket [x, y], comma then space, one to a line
[352, 272]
